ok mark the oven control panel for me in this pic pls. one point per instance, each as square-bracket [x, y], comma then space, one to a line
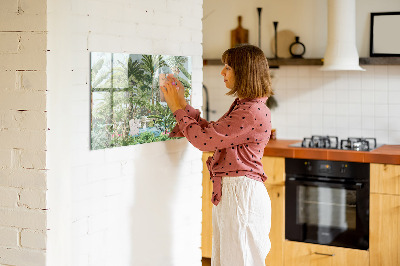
[337, 169]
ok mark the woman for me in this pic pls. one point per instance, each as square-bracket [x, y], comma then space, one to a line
[242, 208]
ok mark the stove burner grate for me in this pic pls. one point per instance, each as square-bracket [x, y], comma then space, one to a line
[332, 142]
[358, 144]
[327, 142]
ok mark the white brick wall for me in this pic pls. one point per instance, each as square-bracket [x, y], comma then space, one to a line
[136, 205]
[23, 132]
[9, 237]
[33, 239]
[8, 197]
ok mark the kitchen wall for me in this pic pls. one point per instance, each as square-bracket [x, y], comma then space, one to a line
[306, 19]
[343, 103]
[23, 128]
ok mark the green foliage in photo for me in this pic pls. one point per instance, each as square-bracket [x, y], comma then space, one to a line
[126, 107]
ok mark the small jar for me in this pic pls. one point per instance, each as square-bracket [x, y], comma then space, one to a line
[273, 134]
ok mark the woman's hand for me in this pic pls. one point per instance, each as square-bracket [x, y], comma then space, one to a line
[174, 94]
[181, 91]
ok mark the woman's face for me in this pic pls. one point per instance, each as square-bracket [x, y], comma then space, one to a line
[229, 76]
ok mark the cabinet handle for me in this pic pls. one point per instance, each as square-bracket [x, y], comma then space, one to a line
[324, 254]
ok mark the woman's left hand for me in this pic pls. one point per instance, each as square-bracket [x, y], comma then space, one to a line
[170, 91]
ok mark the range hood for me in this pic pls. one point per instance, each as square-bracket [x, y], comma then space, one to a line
[341, 51]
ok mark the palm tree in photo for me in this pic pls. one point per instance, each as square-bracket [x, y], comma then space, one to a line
[151, 64]
[136, 90]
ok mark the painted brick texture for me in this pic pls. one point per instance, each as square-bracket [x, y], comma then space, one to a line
[125, 205]
[23, 126]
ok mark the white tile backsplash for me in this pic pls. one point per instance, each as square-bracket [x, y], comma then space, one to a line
[394, 110]
[393, 71]
[329, 109]
[381, 71]
[394, 123]
[292, 82]
[367, 123]
[342, 123]
[345, 103]
[381, 110]
[304, 72]
[342, 109]
[381, 122]
[367, 96]
[381, 83]
[381, 97]
[394, 97]
[367, 110]
[382, 136]
[342, 96]
[394, 136]
[304, 82]
[394, 82]
[291, 71]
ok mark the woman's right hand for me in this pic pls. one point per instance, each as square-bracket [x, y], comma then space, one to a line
[181, 90]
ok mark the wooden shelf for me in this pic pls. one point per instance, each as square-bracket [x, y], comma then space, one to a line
[380, 61]
[274, 63]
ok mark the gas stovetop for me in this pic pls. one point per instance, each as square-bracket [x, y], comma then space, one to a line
[332, 142]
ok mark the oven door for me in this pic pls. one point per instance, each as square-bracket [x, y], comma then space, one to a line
[327, 213]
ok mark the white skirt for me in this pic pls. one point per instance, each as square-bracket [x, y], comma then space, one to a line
[241, 223]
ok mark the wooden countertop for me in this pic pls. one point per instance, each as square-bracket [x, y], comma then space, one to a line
[389, 154]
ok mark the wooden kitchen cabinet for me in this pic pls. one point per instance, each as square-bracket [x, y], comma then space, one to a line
[385, 215]
[274, 168]
[385, 178]
[206, 225]
[305, 254]
[384, 236]
[277, 233]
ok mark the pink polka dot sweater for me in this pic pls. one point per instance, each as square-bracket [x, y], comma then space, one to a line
[238, 139]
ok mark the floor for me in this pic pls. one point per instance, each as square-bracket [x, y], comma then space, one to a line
[206, 261]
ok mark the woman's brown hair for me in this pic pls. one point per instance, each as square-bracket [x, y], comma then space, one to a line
[250, 66]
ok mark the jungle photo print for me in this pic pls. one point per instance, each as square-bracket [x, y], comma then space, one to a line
[127, 105]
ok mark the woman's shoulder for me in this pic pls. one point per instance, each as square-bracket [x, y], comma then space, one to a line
[259, 109]
[257, 104]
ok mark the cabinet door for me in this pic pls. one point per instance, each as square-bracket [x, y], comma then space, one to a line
[206, 232]
[385, 178]
[277, 233]
[384, 230]
[304, 254]
[274, 168]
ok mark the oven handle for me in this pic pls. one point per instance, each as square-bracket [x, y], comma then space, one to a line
[324, 254]
[357, 185]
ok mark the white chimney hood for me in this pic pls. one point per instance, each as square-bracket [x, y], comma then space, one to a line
[341, 51]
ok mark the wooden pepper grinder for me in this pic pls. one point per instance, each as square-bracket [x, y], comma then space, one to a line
[239, 35]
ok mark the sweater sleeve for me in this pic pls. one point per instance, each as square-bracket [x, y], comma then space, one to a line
[231, 130]
[193, 113]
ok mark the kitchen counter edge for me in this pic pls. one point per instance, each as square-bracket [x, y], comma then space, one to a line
[385, 154]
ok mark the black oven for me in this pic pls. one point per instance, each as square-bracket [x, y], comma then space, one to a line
[327, 202]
